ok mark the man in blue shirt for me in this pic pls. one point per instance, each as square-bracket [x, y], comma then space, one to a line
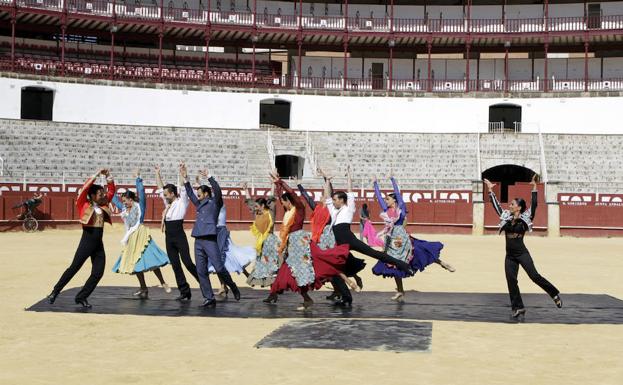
[208, 202]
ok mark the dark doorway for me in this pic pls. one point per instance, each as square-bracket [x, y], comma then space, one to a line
[377, 76]
[274, 113]
[506, 114]
[290, 166]
[506, 175]
[594, 16]
[37, 103]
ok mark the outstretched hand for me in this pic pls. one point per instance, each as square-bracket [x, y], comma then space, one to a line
[183, 171]
[489, 185]
[533, 181]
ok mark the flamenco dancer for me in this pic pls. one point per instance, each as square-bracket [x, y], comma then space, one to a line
[304, 266]
[515, 222]
[140, 253]
[92, 206]
[322, 235]
[342, 207]
[399, 244]
[266, 242]
[178, 251]
[208, 203]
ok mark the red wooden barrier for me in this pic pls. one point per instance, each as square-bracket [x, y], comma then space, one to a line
[451, 214]
[591, 214]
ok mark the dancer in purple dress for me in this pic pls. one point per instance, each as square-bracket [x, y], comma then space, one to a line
[399, 244]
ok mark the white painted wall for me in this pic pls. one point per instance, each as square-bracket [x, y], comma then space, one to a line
[141, 106]
[612, 8]
[524, 11]
[566, 10]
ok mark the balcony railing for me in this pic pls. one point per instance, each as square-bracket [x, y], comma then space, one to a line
[329, 22]
[246, 79]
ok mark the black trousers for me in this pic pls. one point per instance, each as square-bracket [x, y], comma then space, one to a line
[344, 235]
[511, 266]
[177, 247]
[90, 246]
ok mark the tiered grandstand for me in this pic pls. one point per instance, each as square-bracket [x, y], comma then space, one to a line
[49, 151]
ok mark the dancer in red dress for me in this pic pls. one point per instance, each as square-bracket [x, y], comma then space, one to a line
[305, 266]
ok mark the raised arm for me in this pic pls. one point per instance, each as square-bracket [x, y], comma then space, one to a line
[140, 191]
[379, 196]
[493, 198]
[308, 198]
[327, 180]
[296, 201]
[159, 181]
[398, 194]
[110, 186]
[534, 196]
[349, 179]
[217, 193]
[248, 200]
[189, 189]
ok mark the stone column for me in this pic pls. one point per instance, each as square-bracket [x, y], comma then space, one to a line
[478, 208]
[553, 209]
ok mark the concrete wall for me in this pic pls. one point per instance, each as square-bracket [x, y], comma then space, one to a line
[87, 103]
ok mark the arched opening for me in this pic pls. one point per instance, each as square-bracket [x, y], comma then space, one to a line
[37, 103]
[274, 113]
[290, 166]
[505, 117]
[506, 175]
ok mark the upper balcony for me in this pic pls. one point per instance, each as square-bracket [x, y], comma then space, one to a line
[356, 20]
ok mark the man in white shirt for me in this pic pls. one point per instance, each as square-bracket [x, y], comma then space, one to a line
[342, 207]
[176, 203]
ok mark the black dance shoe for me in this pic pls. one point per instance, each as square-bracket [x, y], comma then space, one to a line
[344, 302]
[518, 315]
[83, 303]
[208, 303]
[184, 297]
[358, 281]
[52, 297]
[236, 292]
[557, 301]
[333, 296]
[272, 298]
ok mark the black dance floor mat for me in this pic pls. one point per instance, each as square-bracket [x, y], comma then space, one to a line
[352, 334]
[474, 307]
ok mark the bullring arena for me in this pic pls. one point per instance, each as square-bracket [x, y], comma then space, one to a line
[427, 100]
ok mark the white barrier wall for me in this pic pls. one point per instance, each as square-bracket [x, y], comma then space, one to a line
[146, 106]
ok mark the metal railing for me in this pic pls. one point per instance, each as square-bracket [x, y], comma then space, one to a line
[263, 19]
[152, 74]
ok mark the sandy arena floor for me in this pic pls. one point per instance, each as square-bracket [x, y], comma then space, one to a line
[47, 348]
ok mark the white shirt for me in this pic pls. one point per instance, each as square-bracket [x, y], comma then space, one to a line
[345, 213]
[178, 208]
[222, 217]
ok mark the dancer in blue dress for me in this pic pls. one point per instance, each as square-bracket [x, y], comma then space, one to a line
[399, 244]
[140, 253]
